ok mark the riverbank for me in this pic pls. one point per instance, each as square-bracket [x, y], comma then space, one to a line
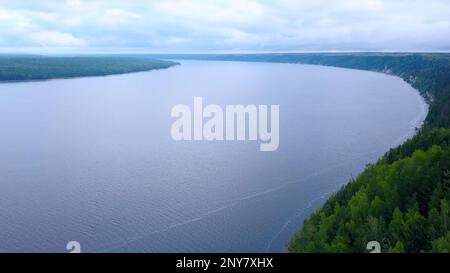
[402, 201]
[20, 68]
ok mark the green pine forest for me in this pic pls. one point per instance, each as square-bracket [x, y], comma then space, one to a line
[402, 201]
[35, 67]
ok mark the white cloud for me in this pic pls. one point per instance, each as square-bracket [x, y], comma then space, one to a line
[5, 15]
[73, 3]
[117, 16]
[56, 39]
[198, 25]
[211, 12]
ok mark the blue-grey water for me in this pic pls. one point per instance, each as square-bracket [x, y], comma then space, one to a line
[92, 159]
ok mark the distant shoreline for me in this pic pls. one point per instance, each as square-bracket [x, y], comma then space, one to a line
[83, 77]
[23, 69]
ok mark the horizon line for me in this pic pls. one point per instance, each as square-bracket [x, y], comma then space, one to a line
[133, 51]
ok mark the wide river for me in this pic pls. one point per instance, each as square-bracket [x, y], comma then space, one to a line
[92, 159]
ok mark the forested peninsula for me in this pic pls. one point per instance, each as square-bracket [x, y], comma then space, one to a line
[33, 67]
[403, 200]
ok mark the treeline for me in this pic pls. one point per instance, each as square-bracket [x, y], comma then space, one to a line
[402, 201]
[404, 205]
[26, 68]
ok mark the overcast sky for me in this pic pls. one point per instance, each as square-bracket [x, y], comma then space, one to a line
[225, 25]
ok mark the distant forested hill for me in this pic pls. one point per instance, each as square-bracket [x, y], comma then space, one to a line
[403, 200]
[26, 68]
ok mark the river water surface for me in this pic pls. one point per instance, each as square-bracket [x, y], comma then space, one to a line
[92, 159]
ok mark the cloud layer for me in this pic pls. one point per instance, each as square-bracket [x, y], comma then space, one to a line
[226, 25]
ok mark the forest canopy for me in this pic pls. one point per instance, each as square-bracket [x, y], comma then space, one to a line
[27, 68]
